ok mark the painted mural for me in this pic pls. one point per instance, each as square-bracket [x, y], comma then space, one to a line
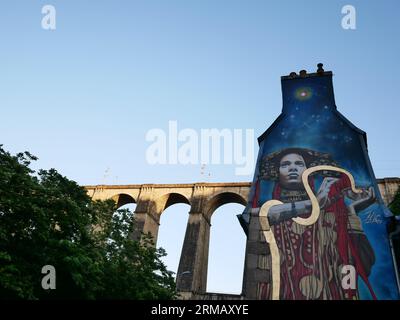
[325, 219]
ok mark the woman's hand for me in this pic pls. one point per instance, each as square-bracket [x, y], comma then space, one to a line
[364, 199]
[323, 192]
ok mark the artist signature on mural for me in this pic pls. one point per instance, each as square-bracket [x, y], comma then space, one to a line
[372, 217]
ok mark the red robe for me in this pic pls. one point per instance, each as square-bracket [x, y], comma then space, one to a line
[312, 256]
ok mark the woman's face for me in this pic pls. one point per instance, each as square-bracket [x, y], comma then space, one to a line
[291, 167]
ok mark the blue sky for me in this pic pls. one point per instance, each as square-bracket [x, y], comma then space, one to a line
[83, 97]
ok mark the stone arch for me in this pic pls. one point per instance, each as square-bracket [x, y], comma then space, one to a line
[167, 200]
[220, 199]
[226, 252]
[172, 211]
[122, 199]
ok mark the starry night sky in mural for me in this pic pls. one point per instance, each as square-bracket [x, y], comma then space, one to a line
[312, 121]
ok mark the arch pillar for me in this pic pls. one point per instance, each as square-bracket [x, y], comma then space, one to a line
[192, 271]
[146, 223]
[191, 277]
[147, 220]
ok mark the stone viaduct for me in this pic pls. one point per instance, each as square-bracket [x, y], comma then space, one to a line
[204, 198]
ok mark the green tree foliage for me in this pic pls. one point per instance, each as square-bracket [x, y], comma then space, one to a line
[47, 219]
[395, 205]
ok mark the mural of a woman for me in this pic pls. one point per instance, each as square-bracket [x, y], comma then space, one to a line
[312, 257]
